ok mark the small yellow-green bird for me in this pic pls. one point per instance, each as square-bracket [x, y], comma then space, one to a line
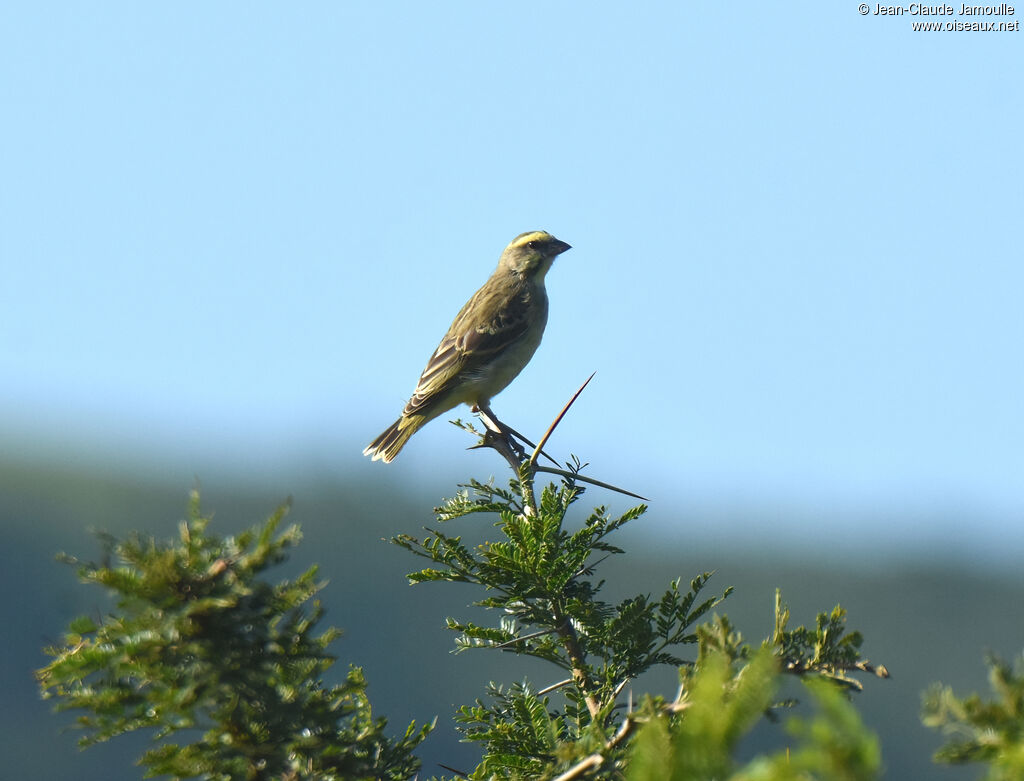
[490, 341]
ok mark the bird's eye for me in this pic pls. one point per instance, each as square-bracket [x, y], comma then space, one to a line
[531, 244]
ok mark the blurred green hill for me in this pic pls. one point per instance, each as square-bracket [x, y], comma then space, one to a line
[925, 620]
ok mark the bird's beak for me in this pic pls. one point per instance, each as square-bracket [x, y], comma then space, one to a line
[560, 246]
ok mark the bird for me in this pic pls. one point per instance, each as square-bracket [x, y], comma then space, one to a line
[491, 340]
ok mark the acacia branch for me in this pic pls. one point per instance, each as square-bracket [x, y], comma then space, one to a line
[577, 661]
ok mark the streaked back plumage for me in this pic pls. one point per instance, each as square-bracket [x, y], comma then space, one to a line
[490, 341]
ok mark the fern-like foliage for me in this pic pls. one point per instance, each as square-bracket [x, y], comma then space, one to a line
[200, 646]
[990, 732]
[696, 740]
[539, 575]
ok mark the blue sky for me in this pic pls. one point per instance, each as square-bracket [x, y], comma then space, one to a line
[232, 234]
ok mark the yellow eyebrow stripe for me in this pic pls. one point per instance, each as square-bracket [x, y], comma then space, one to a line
[524, 238]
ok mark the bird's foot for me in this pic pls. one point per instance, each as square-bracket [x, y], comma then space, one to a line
[496, 430]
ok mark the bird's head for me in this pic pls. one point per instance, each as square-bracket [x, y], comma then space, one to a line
[532, 253]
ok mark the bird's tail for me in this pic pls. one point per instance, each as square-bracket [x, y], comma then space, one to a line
[386, 446]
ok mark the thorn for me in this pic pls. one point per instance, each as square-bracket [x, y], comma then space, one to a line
[599, 483]
[551, 428]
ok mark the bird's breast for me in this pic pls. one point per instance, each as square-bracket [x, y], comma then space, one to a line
[496, 376]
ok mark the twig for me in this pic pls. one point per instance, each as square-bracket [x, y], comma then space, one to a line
[515, 640]
[499, 442]
[596, 760]
[553, 687]
[835, 671]
[527, 442]
[589, 566]
[625, 729]
[581, 767]
[627, 726]
[589, 763]
[577, 660]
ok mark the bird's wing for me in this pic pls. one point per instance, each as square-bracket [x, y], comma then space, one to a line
[483, 329]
